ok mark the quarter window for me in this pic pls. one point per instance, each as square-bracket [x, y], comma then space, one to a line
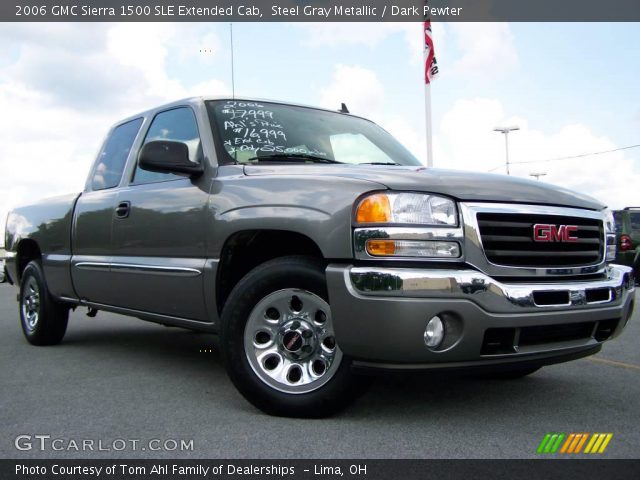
[178, 125]
[113, 157]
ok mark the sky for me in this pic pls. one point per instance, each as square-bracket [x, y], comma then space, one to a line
[571, 88]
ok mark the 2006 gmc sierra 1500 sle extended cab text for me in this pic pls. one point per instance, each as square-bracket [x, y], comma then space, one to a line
[318, 248]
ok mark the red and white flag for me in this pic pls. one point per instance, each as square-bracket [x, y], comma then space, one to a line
[430, 63]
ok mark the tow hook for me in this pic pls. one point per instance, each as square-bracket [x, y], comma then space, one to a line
[91, 312]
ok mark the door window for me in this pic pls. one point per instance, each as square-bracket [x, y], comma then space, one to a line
[114, 154]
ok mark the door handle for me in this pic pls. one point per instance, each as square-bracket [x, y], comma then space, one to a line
[122, 210]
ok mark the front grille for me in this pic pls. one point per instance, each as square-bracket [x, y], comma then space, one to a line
[507, 239]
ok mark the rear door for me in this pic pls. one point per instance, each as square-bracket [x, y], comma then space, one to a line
[159, 244]
[93, 217]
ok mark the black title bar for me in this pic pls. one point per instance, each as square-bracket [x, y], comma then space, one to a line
[318, 10]
[582, 469]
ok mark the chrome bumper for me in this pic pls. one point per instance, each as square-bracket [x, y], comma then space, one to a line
[380, 314]
[490, 294]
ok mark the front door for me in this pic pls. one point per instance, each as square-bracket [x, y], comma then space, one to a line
[159, 237]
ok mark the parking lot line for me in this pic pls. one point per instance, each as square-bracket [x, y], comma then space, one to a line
[614, 363]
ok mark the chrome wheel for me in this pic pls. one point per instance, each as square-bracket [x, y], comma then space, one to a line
[290, 343]
[31, 304]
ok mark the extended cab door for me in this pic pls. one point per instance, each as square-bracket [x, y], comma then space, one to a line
[93, 217]
[159, 236]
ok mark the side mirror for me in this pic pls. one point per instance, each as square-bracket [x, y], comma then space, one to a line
[165, 156]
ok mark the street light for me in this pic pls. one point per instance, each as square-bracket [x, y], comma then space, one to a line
[537, 175]
[505, 131]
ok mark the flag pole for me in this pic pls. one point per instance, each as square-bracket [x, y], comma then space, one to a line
[428, 123]
[430, 73]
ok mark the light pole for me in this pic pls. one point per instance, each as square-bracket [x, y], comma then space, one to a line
[505, 131]
[537, 175]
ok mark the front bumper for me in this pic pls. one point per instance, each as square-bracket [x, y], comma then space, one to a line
[380, 315]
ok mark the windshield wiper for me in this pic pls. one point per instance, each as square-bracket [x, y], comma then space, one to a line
[291, 157]
[379, 163]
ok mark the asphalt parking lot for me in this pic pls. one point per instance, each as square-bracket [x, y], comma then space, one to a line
[115, 377]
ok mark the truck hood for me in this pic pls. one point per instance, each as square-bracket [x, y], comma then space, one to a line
[461, 185]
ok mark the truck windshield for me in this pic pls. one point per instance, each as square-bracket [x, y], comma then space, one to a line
[253, 132]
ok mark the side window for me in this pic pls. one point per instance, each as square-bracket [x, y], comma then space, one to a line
[177, 125]
[111, 161]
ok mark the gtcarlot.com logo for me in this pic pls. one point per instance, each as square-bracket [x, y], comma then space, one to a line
[574, 443]
[48, 443]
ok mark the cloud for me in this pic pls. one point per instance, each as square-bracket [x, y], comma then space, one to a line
[340, 34]
[483, 49]
[356, 86]
[369, 34]
[466, 141]
[92, 83]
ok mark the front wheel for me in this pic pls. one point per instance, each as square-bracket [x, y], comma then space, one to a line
[43, 320]
[279, 344]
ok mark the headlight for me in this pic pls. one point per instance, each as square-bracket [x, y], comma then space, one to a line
[610, 233]
[407, 208]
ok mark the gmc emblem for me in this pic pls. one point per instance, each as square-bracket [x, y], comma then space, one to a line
[552, 233]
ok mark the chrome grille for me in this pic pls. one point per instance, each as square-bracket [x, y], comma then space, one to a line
[507, 239]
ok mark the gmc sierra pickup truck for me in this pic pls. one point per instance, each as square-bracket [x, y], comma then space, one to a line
[318, 248]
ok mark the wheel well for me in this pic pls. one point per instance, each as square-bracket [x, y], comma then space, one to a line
[245, 250]
[27, 250]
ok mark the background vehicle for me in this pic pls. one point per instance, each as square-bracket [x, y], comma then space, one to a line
[318, 247]
[628, 237]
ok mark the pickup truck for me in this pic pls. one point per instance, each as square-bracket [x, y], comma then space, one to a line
[318, 249]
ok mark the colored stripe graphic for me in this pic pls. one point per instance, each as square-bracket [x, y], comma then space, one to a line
[594, 437]
[565, 447]
[556, 445]
[573, 443]
[607, 439]
[598, 443]
[582, 440]
[551, 442]
[543, 443]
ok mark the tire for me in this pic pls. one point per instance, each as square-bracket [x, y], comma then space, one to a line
[268, 352]
[43, 320]
[511, 374]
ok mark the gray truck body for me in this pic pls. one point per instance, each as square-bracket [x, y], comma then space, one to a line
[184, 244]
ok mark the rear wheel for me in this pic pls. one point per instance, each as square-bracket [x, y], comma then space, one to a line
[43, 320]
[279, 343]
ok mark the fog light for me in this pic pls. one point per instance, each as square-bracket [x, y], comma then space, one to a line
[434, 333]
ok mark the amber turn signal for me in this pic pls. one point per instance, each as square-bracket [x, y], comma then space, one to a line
[381, 247]
[374, 209]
